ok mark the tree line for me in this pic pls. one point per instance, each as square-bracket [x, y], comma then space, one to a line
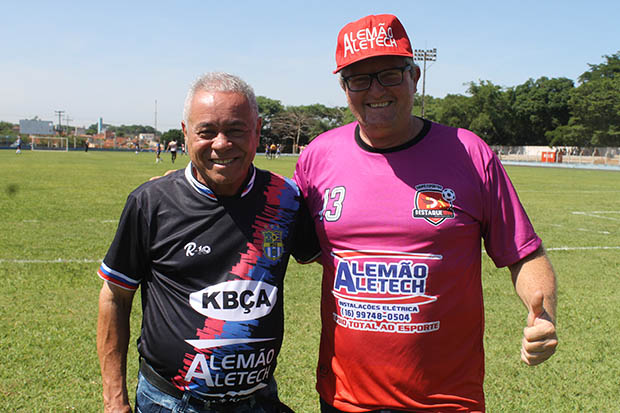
[544, 111]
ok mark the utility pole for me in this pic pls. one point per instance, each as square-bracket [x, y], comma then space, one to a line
[59, 113]
[156, 120]
[67, 120]
[424, 55]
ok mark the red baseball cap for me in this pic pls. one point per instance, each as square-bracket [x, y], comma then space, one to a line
[370, 36]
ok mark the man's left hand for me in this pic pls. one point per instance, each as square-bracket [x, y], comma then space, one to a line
[539, 337]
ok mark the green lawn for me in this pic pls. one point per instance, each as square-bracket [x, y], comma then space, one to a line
[59, 211]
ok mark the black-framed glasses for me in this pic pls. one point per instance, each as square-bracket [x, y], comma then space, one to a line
[387, 77]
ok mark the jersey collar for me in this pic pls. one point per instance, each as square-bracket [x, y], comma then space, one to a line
[205, 191]
[414, 140]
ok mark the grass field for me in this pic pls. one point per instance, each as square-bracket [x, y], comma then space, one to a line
[59, 211]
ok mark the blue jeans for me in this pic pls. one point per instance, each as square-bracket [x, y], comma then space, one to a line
[150, 399]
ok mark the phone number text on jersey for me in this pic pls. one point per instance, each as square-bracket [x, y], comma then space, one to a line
[374, 315]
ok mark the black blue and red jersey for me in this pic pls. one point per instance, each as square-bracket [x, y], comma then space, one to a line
[211, 272]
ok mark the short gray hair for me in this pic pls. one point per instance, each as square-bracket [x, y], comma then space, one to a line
[219, 82]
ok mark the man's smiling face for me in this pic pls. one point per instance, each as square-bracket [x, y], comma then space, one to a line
[384, 112]
[222, 134]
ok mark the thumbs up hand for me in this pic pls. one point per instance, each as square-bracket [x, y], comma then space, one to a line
[539, 337]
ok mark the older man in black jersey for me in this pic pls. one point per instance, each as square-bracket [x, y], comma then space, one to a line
[209, 246]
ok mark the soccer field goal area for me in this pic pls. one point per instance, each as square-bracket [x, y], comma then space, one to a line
[50, 144]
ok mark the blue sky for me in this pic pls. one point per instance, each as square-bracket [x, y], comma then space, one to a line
[114, 59]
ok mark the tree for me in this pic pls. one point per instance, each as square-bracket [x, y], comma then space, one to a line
[594, 107]
[173, 134]
[492, 116]
[6, 129]
[301, 124]
[569, 135]
[323, 119]
[346, 115]
[540, 106]
[267, 110]
[132, 130]
[123, 130]
[432, 107]
[453, 110]
[610, 69]
[293, 123]
[92, 129]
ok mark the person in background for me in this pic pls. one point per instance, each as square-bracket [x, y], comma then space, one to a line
[158, 153]
[400, 205]
[209, 246]
[172, 147]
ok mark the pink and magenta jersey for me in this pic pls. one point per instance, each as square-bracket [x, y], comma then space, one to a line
[400, 232]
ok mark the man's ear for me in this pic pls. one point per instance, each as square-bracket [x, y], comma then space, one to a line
[416, 73]
[416, 76]
[259, 124]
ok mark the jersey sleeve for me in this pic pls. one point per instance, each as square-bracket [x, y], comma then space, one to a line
[125, 263]
[305, 243]
[306, 247]
[299, 176]
[507, 231]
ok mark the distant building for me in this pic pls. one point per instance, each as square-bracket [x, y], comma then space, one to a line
[36, 127]
[106, 134]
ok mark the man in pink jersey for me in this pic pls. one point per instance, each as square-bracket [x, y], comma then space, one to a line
[400, 205]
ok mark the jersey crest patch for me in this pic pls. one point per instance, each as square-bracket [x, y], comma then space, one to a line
[273, 247]
[433, 203]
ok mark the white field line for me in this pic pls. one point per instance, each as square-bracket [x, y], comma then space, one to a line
[583, 229]
[581, 248]
[595, 214]
[577, 248]
[104, 221]
[592, 191]
[56, 261]
[601, 212]
[596, 232]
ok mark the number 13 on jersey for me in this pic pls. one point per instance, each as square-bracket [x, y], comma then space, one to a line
[332, 203]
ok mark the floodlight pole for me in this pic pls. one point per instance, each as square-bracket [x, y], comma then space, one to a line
[424, 55]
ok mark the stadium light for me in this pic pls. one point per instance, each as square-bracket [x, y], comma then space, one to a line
[429, 55]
